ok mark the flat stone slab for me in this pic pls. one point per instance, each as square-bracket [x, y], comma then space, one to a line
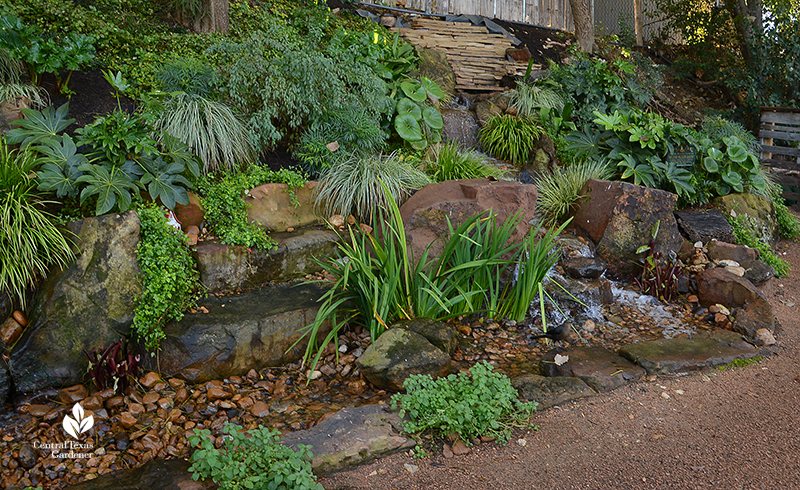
[704, 226]
[549, 392]
[666, 356]
[158, 473]
[597, 367]
[224, 266]
[351, 437]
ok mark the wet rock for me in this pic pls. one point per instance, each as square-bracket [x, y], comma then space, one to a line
[620, 217]
[760, 210]
[114, 402]
[666, 356]
[271, 206]
[224, 266]
[215, 394]
[433, 64]
[122, 441]
[37, 410]
[6, 306]
[426, 213]
[719, 286]
[93, 403]
[27, 456]
[549, 392]
[584, 267]
[253, 330]
[5, 384]
[485, 109]
[259, 409]
[399, 353]
[158, 473]
[150, 379]
[440, 334]
[73, 394]
[599, 368]
[351, 437]
[460, 127]
[127, 420]
[10, 331]
[704, 226]
[88, 305]
[758, 272]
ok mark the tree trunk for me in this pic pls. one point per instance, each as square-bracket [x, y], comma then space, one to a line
[215, 19]
[748, 17]
[638, 22]
[584, 28]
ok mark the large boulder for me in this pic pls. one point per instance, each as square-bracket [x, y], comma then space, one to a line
[158, 473]
[460, 127]
[433, 64]
[248, 331]
[273, 207]
[597, 367]
[440, 334]
[760, 210]
[89, 304]
[426, 213]
[399, 353]
[720, 286]
[620, 217]
[704, 226]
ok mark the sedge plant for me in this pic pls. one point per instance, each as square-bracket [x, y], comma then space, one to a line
[510, 137]
[559, 190]
[450, 162]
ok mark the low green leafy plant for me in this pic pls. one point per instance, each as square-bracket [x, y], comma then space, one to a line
[471, 404]
[745, 234]
[510, 137]
[417, 119]
[789, 225]
[451, 162]
[529, 100]
[254, 459]
[169, 276]
[559, 190]
[187, 75]
[740, 363]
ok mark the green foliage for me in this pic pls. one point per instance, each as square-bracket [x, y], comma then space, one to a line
[744, 231]
[252, 460]
[727, 166]
[211, 129]
[471, 404]
[29, 241]
[416, 117]
[450, 162]
[559, 190]
[529, 100]
[361, 184]
[510, 137]
[717, 128]
[169, 276]
[222, 197]
[788, 223]
[187, 75]
[740, 363]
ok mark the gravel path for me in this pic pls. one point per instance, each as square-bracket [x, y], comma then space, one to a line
[732, 429]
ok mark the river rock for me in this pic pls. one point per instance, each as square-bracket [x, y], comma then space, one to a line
[426, 213]
[704, 226]
[549, 392]
[440, 334]
[399, 353]
[248, 331]
[224, 266]
[584, 267]
[599, 368]
[620, 217]
[460, 127]
[158, 473]
[351, 437]
[88, 305]
[191, 214]
[10, 331]
[760, 210]
[271, 206]
[758, 272]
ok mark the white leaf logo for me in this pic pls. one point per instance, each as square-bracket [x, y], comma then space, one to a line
[79, 424]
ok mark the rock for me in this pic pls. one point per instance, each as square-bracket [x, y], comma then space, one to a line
[6, 306]
[584, 267]
[521, 55]
[753, 316]
[88, 305]
[158, 473]
[11, 331]
[127, 420]
[666, 356]
[704, 226]
[411, 468]
[190, 215]
[388, 20]
[758, 272]
[485, 109]
[20, 318]
[433, 64]
[399, 353]
[758, 208]
[150, 379]
[37, 410]
[718, 250]
[620, 217]
[426, 213]
[5, 385]
[549, 392]
[271, 206]
[337, 221]
[460, 127]
[27, 456]
[248, 331]
[215, 394]
[719, 286]
[440, 334]
[259, 409]
[764, 337]
[351, 437]
[224, 266]
[599, 368]
[73, 394]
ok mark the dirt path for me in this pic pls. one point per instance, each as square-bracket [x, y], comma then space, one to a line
[732, 429]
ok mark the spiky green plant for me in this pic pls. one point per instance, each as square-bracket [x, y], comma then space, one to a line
[559, 190]
[211, 129]
[450, 162]
[529, 99]
[717, 128]
[30, 244]
[38, 96]
[510, 137]
[361, 185]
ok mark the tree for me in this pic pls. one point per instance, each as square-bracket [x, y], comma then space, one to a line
[748, 17]
[584, 27]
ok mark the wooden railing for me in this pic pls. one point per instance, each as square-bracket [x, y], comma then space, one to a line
[779, 135]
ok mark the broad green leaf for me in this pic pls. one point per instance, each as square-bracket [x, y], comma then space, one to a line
[433, 118]
[414, 90]
[408, 106]
[39, 127]
[432, 88]
[408, 127]
[737, 153]
[711, 165]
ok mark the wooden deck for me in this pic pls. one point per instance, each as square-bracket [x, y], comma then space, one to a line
[477, 56]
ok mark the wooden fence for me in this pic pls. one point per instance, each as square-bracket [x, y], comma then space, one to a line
[547, 13]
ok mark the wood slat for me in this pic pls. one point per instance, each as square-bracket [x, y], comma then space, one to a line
[775, 127]
[781, 135]
[780, 117]
[781, 150]
[782, 164]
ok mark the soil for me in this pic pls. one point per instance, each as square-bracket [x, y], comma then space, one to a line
[732, 428]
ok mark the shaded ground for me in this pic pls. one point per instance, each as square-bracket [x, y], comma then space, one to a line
[732, 429]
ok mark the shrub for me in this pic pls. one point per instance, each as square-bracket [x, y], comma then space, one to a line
[253, 459]
[169, 276]
[29, 241]
[450, 162]
[362, 184]
[510, 138]
[187, 75]
[559, 190]
[529, 99]
[717, 128]
[471, 404]
[211, 129]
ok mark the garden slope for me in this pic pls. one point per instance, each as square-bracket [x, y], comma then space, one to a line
[717, 429]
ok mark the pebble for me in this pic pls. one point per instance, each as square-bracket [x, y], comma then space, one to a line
[127, 420]
[411, 468]
[72, 395]
[27, 456]
[765, 336]
[136, 409]
[38, 410]
[259, 409]
[215, 394]
[149, 379]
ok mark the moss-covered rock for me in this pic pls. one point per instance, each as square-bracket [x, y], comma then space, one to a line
[760, 209]
[434, 65]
